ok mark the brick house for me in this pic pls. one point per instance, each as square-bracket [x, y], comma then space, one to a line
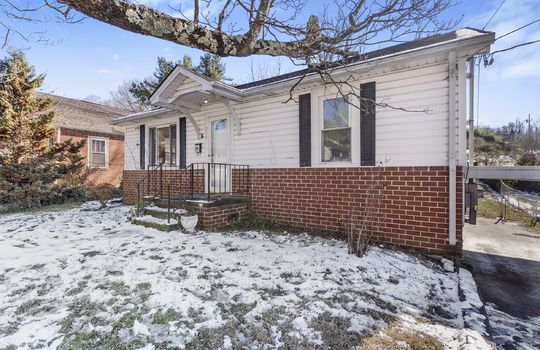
[304, 161]
[104, 148]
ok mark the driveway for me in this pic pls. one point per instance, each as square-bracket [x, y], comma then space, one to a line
[506, 263]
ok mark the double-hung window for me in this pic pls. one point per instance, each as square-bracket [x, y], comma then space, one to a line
[163, 145]
[336, 130]
[98, 153]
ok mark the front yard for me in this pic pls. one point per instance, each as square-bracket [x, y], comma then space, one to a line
[80, 279]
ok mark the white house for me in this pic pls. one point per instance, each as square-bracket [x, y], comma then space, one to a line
[309, 156]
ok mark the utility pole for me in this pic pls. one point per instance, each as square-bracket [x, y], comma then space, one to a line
[529, 134]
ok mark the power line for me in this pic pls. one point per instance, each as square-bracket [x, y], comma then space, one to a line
[518, 29]
[495, 13]
[515, 46]
[508, 33]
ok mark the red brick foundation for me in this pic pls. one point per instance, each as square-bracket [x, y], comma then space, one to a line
[415, 204]
[211, 218]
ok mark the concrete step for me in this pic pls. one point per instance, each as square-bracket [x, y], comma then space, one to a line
[161, 213]
[158, 224]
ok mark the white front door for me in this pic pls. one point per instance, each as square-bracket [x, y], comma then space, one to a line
[219, 155]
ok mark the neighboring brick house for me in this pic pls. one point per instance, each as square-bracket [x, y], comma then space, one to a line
[311, 157]
[104, 148]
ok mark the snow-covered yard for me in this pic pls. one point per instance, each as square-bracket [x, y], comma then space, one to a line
[90, 279]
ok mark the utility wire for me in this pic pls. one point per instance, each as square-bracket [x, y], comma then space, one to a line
[506, 34]
[495, 13]
[515, 46]
[518, 29]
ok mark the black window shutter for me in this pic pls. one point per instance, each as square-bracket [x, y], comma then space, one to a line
[142, 145]
[367, 124]
[304, 103]
[182, 143]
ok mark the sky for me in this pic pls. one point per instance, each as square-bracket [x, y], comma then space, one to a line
[93, 58]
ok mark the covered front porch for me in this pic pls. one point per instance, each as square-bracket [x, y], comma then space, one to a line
[218, 192]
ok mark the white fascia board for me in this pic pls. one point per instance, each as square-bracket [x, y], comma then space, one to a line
[179, 70]
[140, 115]
[469, 45]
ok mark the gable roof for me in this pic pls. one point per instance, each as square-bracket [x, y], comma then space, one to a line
[470, 41]
[83, 115]
[394, 49]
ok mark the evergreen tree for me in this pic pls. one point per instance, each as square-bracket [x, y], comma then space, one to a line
[29, 166]
[187, 62]
[211, 66]
[140, 91]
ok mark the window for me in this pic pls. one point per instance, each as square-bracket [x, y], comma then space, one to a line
[336, 131]
[163, 145]
[98, 153]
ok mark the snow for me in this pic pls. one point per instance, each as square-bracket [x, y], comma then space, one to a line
[75, 275]
[154, 220]
[512, 332]
[472, 305]
[139, 328]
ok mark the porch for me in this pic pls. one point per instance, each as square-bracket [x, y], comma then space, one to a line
[218, 192]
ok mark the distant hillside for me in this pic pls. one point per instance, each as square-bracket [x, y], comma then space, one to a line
[517, 143]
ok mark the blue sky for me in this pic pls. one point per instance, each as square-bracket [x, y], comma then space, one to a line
[92, 58]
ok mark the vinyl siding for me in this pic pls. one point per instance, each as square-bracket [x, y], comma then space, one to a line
[269, 137]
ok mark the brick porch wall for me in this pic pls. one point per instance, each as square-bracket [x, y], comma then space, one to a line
[178, 179]
[415, 205]
[216, 217]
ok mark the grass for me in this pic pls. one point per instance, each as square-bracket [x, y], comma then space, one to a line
[46, 208]
[395, 336]
[491, 209]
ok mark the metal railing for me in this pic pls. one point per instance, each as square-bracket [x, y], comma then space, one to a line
[196, 181]
[528, 203]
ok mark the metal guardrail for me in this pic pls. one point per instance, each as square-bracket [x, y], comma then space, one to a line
[197, 180]
[530, 173]
[528, 203]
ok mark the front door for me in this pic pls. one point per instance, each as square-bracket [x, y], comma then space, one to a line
[219, 173]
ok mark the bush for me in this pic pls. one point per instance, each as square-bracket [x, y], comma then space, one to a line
[529, 159]
[102, 193]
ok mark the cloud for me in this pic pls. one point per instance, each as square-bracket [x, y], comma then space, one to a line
[521, 62]
[116, 57]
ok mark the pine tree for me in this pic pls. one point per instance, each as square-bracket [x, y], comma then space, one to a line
[187, 62]
[211, 66]
[29, 166]
[142, 90]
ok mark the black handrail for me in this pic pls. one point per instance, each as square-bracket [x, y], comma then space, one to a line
[197, 179]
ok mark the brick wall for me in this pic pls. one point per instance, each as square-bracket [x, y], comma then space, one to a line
[415, 205]
[216, 217]
[179, 181]
[113, 173]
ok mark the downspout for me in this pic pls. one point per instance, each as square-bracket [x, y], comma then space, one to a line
[471, 111]
[58, 132]
[452, 78]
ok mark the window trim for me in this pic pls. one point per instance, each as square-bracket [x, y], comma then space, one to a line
[98, 138]
[155, 150]
[321, 131]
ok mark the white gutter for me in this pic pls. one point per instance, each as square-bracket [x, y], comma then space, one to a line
[452, 79]
[140, 115]
[471, 111]
[460, 43]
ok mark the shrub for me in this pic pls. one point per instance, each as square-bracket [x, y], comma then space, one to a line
[102, 193]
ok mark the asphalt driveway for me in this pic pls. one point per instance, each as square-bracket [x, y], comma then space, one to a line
[506, 262]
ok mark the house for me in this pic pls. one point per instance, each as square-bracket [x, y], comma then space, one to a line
[306, 160]
[104, 149]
